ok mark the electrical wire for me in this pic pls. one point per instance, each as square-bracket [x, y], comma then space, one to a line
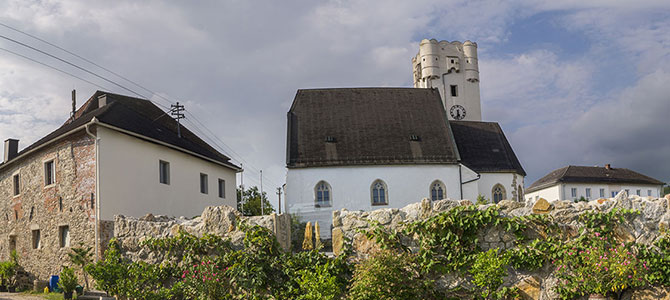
[115, 83]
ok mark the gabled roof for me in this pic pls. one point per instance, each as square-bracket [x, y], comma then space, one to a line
[363, 126]
[483, 147]
[139, 116]
[582, 174]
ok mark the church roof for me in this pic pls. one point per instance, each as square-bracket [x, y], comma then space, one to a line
[365, 126]
[483, 147]
[582, 174]
[139, 116]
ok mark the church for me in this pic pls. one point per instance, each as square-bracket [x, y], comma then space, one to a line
[370, 148]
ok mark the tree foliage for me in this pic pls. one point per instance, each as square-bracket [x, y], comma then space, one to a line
[250, 204]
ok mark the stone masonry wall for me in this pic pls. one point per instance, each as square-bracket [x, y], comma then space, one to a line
[220, 220]
[644, 228]
[68, 202]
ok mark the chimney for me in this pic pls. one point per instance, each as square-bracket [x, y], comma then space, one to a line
[11, 149]
[74, 103]
[608, 167]
[102, 100]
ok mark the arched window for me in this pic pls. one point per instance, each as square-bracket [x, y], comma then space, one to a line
[379, 193]
[519, 193]
[322, 191]
[498, 193]
[437, 190]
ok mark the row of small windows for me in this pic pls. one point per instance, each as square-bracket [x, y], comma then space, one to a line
[36, 238]
[164, 178]
[49, 177]
[379, 193]
[573, 192]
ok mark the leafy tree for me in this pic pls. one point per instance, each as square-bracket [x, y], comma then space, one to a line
[666, 190]
[81, 256]
[252, 202]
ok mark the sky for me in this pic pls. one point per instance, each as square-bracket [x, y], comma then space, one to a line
[571, 82]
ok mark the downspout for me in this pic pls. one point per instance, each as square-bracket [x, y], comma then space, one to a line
[97, 187]
[460, 178]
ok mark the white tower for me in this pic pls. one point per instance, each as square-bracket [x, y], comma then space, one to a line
[452, 68]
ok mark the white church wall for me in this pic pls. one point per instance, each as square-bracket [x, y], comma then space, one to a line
[351, 188]
[507, 180]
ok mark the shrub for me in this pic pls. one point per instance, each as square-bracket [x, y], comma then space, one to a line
[319, 284]
[488, 271]
[390, 275]
[597, 264]
[68, 280]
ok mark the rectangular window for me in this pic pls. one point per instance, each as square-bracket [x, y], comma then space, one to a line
[648, 192]
[588, 193]
[222, 188]
[36, 239]
[49, 173]
[628, 191]
[454, 90]
[17, 188]
[203, 183]
[164, 172]
[638, 192]
[64, 236]
[574, 192]
[602, 193]
[614, 194]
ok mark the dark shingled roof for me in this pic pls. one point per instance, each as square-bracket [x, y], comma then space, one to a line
[139, 116]
[360, 126]
[484, 148]
[579, 174]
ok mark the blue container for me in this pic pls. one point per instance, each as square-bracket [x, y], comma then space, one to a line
[53, 283]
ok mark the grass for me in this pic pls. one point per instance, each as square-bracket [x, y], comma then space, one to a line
[49, 296]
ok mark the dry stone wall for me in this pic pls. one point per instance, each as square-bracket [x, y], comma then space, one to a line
[644, 228]
[223, 221]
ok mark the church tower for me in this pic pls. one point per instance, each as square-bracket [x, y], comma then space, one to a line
[452, 68]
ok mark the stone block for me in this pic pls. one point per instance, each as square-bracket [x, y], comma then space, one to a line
[337, 237]
[509, 205]
[650, 293]
[529, 288]
[383, 216]
[542, 206]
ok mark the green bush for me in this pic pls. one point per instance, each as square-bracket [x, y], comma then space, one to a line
[390, 275]
[488, 270]
[67, 280]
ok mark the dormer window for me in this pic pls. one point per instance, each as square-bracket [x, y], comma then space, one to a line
[414, 138]
[331, 139]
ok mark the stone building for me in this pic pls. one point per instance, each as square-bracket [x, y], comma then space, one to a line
[116, 155]
[575, 182]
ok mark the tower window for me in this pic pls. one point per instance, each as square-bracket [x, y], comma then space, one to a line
[36, 239]
[49, 173]
[64, 236]
[454, 90]
[17, 189]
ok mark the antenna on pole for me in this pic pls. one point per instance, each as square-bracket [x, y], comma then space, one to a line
[279, 194]
[242, 187]
[74, 103]
[262, 202]
[177, 113]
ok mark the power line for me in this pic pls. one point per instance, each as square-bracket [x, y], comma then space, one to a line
[52, 67]
[69, 63]
[80, 57]
[110, 81]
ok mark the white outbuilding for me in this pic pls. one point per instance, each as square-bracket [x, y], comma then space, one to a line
[577, 182]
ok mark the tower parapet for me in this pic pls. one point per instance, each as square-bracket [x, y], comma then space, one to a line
[452, 68]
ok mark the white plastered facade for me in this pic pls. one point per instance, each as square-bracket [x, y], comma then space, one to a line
[564, 191]
[350, 187]
[129, 179]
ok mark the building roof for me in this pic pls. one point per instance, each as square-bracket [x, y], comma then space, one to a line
[582, 174]
[364, 126]
[483, 147]
[139, 116]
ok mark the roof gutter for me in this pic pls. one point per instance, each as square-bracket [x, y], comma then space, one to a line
[167, 145]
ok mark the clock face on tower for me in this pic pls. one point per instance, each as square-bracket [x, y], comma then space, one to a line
[457, 112]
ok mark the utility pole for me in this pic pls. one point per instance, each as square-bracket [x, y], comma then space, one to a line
[242, 186]
[176, 112]
[279, 194]
[262, 202]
